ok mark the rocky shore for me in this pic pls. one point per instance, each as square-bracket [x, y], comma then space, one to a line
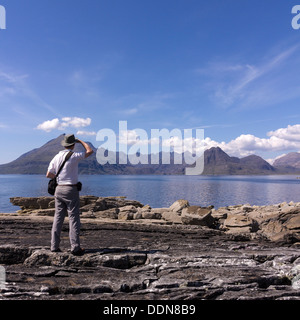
[134, 251]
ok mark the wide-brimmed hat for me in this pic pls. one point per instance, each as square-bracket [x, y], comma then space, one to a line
[69, 140]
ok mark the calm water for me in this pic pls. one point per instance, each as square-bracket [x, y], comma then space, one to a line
[162, 191]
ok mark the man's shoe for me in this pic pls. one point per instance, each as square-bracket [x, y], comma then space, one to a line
[78, 252]
[56, 250]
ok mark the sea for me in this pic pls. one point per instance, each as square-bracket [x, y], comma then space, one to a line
[162, 190]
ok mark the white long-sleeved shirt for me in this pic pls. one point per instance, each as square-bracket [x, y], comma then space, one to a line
[69, 173]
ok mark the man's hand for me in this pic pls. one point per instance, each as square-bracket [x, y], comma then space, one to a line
[88, 149]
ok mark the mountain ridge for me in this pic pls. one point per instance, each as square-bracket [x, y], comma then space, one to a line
[216, 162]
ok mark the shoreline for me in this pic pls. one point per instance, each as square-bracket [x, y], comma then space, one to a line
[277, 222]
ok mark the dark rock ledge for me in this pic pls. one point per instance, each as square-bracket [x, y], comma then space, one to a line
[154, 258]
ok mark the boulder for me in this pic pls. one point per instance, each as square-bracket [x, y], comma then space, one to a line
[271, 228]
[195, 215]
[45, 202]
[88, 215]
[247, 208]
[281, 224]
[293, 223]
[151, 215]
[160, 210]
[147, 207]
[137, 215]
[221, 213]
[87, 199]
[236, 223]
[171, 216]
[109, 213]
[129, 208]
[93, 204]
[125, 215]
[117, 202]
[178, 205]
[239, 230]
[26, 203]
[263, 214]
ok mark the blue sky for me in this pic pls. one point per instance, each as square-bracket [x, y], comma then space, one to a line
[230, 67]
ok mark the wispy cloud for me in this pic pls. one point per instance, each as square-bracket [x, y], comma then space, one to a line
[130, 111]
[11, 78]
[133, 104]
[84, 78]
[85, 84]
[13, 85]
[252, 85]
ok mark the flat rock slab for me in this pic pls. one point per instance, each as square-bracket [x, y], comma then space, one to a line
[126, 260]
[118, 260]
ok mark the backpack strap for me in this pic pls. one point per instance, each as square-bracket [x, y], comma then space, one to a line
[68, 156]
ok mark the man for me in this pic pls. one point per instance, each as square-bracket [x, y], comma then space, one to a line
[66, 193]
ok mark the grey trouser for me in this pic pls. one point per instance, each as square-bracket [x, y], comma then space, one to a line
[66, 202]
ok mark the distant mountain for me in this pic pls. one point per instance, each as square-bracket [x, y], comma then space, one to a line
[291, 159]
[37, 161]
[216, 162]
[289, 163]
[34, 161]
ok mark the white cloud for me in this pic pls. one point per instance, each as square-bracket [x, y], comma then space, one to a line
[86, 133]
[49, 125]
[75, 122]
[291, 133]
[279, 140]
[66, 122]
[246, 144]
[134, 137]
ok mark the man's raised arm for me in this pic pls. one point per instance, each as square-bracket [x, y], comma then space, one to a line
[88, 149]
